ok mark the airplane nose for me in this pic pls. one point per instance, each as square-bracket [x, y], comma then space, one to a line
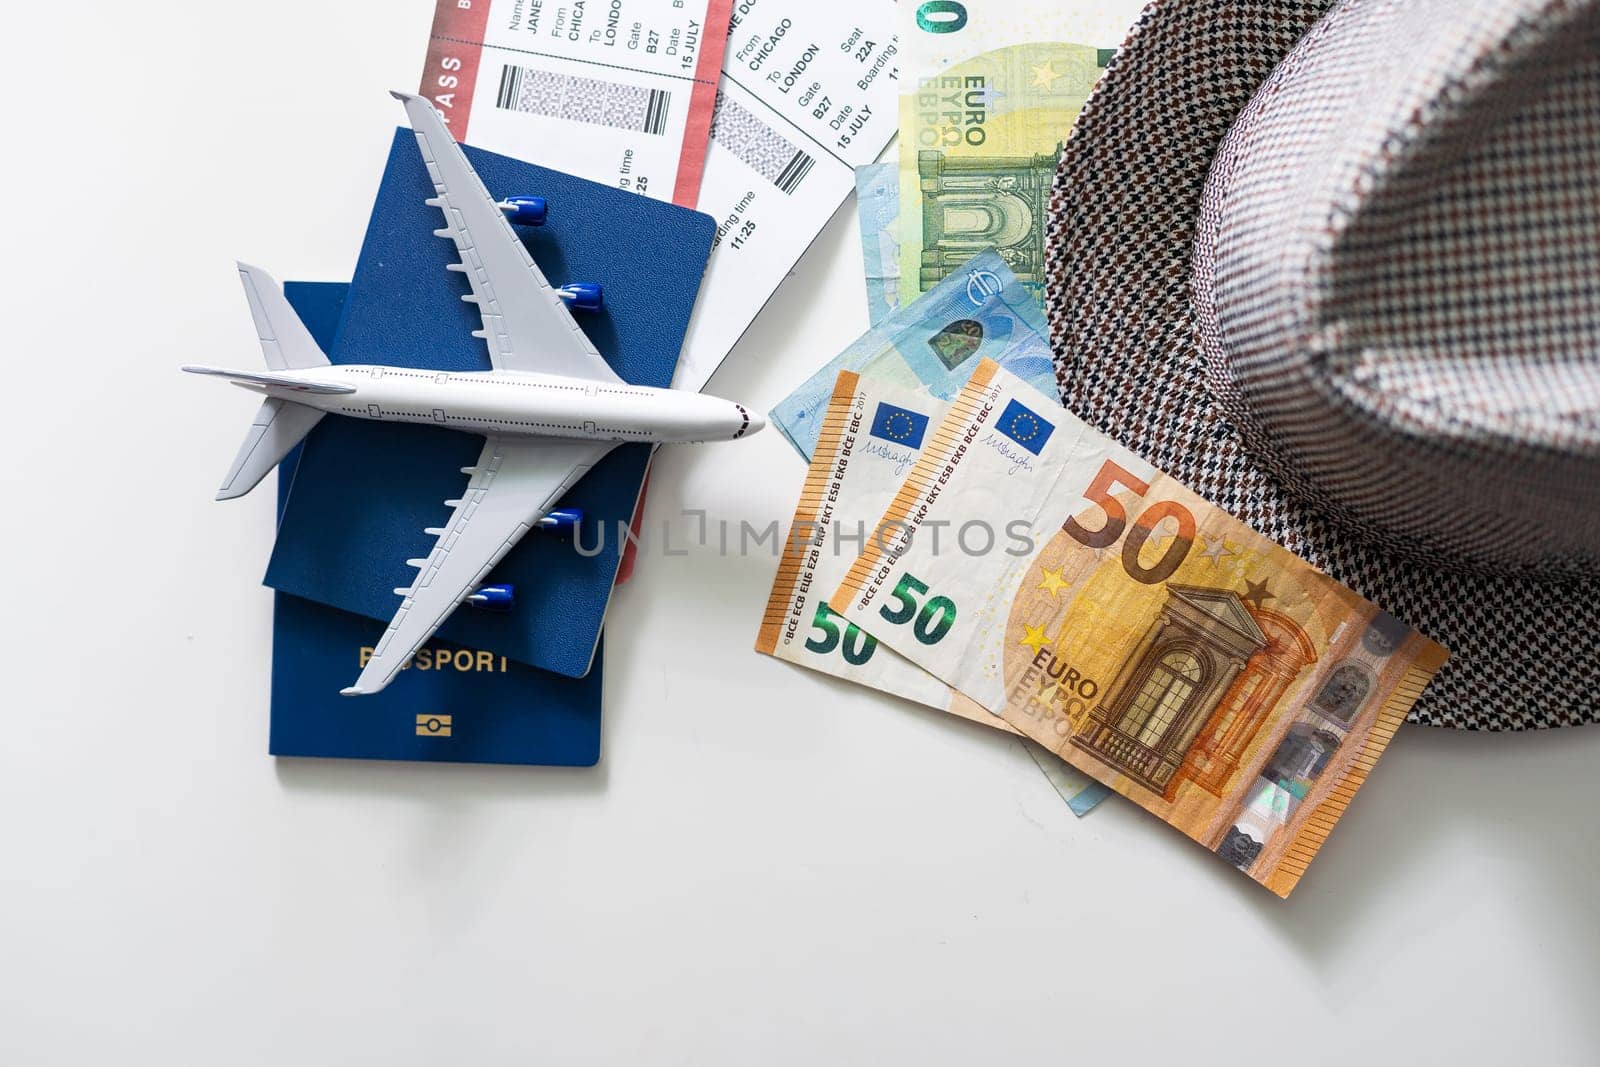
[750, 422]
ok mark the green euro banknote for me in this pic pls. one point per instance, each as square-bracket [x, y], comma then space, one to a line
[932, 344]
[878, 207]
[989, 92]
[872, 434]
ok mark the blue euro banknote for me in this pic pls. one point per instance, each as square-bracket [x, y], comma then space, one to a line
[878, 208]
[932, 344]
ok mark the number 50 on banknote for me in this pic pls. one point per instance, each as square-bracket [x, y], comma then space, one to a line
[1145, 636]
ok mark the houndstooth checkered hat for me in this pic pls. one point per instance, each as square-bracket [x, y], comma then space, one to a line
[1336, 266]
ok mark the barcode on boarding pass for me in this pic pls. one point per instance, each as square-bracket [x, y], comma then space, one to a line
[579, 99]
[763, 149]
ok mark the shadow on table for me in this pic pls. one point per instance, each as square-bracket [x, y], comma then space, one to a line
[1526, 802]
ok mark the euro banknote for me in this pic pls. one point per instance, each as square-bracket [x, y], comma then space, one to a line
[1144, 635]
[871, 435]
[878, 208]
[989, 93]
[932, 344]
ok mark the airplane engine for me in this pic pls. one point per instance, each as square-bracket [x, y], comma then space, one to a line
[582, 296]
[526, 210]
[493, 597]
[561, 519]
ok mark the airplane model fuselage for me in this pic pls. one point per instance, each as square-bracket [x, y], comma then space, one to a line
[505, 402]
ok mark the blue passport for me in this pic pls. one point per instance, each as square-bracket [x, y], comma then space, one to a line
[364, 492]
[454, 704]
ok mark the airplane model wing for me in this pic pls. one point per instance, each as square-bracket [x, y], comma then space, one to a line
[525, 323]
[515, 483]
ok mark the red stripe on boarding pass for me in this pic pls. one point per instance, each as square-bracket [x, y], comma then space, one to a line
[702, 101]
[454, 49]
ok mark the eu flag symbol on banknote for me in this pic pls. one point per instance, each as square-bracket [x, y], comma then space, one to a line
[1025, 426]
[900, 425]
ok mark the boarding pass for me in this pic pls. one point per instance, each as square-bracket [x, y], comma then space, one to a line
[616, 91]
[806, 94]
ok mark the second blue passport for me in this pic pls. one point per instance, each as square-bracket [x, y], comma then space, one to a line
[364, 492]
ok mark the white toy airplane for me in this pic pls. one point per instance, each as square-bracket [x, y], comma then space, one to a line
[549, 409]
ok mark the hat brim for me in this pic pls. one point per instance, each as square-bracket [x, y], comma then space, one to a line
[1525, 652]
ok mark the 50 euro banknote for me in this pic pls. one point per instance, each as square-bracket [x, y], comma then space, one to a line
[871, 435]
[1144, 635]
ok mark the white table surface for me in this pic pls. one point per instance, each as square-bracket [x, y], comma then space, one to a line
[766, 866]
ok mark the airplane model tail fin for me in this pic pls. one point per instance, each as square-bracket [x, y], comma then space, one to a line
[281, 381]
[286, 345]
[279, 426]
[285, 341]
